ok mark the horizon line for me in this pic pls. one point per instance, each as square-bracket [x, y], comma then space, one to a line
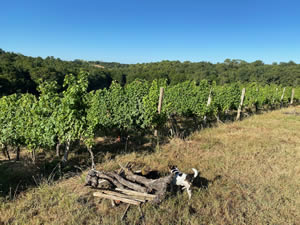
[149, 62]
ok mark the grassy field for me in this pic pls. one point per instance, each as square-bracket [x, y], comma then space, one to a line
[256, 160]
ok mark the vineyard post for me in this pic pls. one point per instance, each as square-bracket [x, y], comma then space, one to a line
[207, 105]
[58, 149]
[33, 155]
[241, 104]
[67, 149]
[161, 95]
[281, 103]
[292, 97]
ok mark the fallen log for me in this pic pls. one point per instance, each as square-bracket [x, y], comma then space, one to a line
[151, 184]
[127, 183]
[134, 177]
[131, 184]
[159, 185]
[93, 177]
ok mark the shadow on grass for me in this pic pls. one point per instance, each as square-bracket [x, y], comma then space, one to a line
[202, 182]
[15, 177]
[18, 176]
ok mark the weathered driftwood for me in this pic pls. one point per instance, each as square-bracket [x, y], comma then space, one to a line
[135, 193]
[132, 185]
[93, 177]
[158, 185]
[118, 194]
[112, 197]
[127, 183]
[151, 184]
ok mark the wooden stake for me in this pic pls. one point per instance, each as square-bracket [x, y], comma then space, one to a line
[292, 97]
[281, 99]
[161, 95]
[207, 104]
[67, 149]
[33, 155]
[58, 149]
[241, 104]
[209, 99]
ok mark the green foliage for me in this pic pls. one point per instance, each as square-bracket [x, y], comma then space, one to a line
[29, 121]
[76, 114]
[70, 116]
[9, 122]
[21, 74]
[225, 97]
[187, 99]
[119, 107]
[150, 102]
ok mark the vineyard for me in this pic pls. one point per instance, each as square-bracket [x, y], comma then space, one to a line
[54, 119]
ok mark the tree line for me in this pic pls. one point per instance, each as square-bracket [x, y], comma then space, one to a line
[23, 74]
[287, 74]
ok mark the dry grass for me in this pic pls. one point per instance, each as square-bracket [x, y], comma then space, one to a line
[257, 159]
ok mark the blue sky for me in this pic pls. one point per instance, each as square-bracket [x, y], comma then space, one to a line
[134, 31]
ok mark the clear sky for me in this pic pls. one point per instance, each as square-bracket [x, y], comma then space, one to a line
[131, 31]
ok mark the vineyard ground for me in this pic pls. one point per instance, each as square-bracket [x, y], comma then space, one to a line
[257, 161]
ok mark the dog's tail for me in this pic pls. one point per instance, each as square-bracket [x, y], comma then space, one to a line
[195, 172]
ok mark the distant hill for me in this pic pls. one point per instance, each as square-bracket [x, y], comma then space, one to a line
[226, 72]
[19, 73]
[108, 64]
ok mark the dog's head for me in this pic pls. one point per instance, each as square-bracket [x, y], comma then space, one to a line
[172, 167]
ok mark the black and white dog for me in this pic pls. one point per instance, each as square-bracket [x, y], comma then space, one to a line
[183, 179]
